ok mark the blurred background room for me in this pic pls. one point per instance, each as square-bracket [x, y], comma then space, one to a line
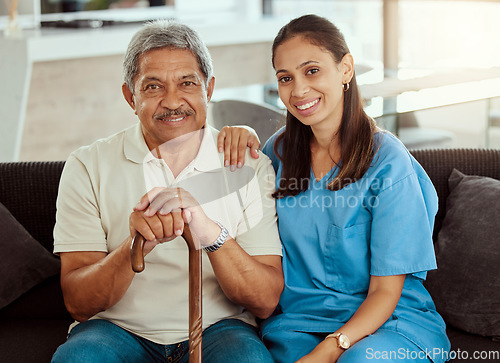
[429, 71]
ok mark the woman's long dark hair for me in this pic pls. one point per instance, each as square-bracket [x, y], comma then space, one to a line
[356, 129]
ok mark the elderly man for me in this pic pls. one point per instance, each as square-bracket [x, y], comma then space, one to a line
[151, 178]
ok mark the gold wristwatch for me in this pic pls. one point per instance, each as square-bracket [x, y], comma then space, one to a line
[342, 340]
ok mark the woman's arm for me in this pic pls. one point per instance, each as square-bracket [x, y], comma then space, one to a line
[233, 141]
[381, 301]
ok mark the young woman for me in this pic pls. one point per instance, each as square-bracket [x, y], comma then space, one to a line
[356, 214]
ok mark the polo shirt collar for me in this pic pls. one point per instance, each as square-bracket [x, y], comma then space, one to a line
[135, 147]
[207, 159]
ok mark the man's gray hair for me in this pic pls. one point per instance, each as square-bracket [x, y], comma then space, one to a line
[165, 34]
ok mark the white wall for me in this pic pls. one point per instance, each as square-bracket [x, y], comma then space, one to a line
[74, 102]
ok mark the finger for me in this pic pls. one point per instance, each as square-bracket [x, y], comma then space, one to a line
[168, 226]
[147, 198]
[186, 200]
[170, 205]
[186, 216]
[138, 224]
[132, 229]
[220, 139]
[235, 139]
[242, 149]
[143, 203]
[227, 147]
[254, 153]
[156, 226]
[179, 195]
[159, 200]
[253, 141]
[178, 221]
[183, 200]
[254, 144]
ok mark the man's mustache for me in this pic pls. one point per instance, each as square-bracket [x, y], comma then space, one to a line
[176, 112]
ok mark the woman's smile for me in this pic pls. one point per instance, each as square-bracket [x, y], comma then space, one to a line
[307, 107]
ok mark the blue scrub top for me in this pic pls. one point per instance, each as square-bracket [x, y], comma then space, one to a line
[333, 241]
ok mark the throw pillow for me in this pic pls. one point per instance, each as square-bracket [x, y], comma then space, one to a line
[466, 285]
[25, 261]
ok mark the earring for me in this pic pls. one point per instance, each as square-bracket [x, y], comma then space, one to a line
[346, 87]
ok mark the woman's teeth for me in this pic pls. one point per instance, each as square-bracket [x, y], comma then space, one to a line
[308, 105]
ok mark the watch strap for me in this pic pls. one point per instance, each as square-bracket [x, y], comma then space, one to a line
[219, 241]
[337, 337]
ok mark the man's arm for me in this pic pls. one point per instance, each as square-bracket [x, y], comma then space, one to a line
[248, 275]
[255, 282]
[94, 281]
[91, 279]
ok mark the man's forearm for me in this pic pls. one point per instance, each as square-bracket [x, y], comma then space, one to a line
[255, 282]
[93, 282]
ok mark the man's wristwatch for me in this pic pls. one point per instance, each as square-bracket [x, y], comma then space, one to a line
[219, 241]
[342, 340]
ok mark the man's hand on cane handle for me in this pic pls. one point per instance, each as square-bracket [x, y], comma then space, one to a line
[165, 201]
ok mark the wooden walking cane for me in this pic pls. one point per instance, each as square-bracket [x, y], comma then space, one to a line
[195, 302]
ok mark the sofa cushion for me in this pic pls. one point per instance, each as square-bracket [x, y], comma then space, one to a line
[25, 261]
[466, 287]
[31, 340]
[464, 347]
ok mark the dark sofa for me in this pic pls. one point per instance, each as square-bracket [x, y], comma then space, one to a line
[34, 325]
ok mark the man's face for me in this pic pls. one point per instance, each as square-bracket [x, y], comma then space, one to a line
[170, 95]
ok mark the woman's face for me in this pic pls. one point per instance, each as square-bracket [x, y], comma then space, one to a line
[310, 82]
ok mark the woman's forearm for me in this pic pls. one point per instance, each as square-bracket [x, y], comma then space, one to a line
[381, 301]
[378, 306]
